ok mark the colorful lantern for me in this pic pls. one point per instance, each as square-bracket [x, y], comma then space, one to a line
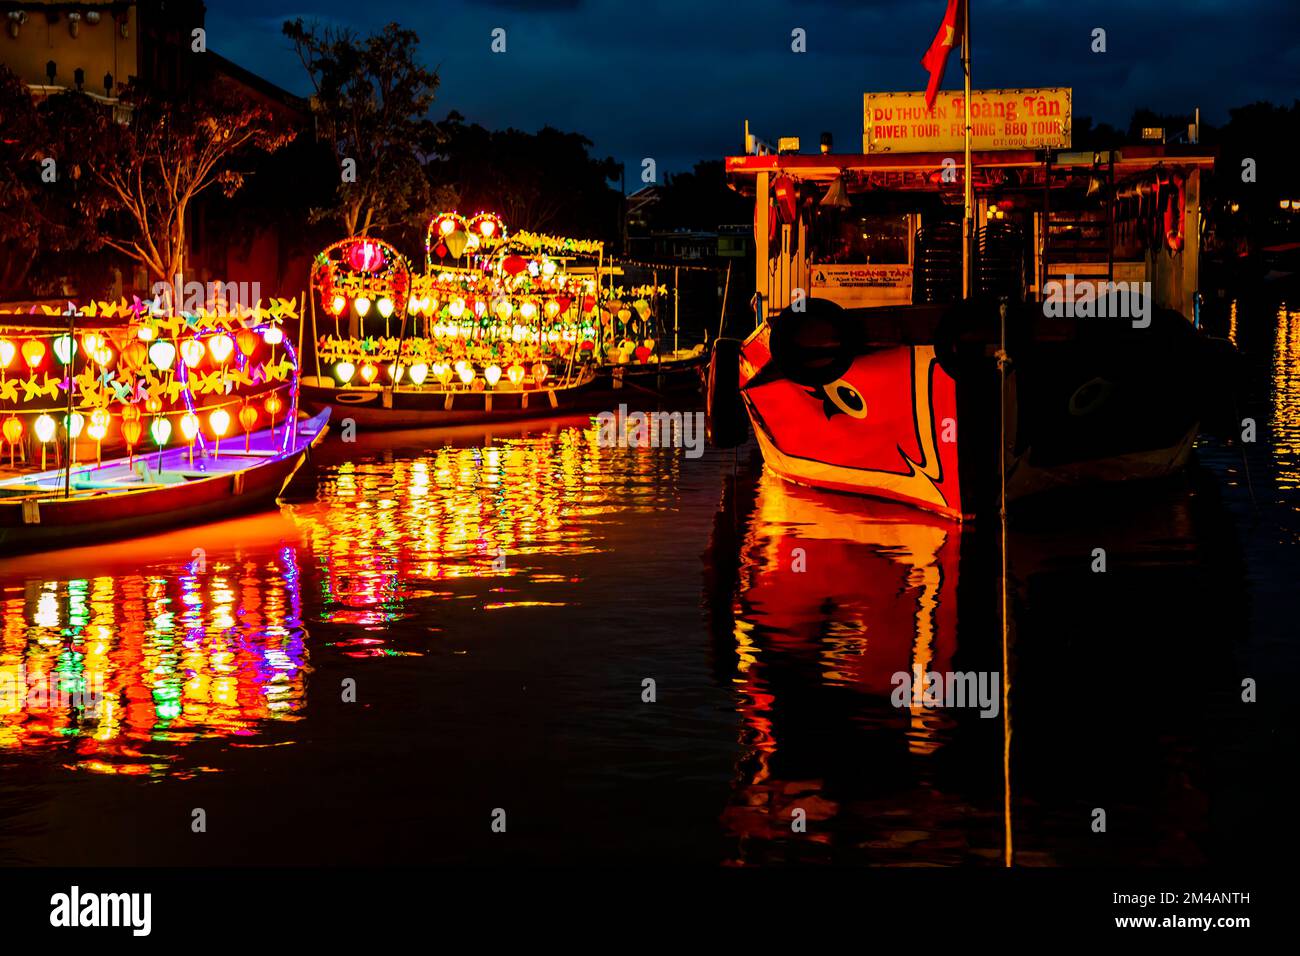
[220, 346]
[44, 432]
[189, 431]
[338, 305]
[12, 431]
[33, 352]
[247, 418]
[131, 432]
[192, 352]
[368, 373]
[162, 354]
[540, 371]
[515, 373]
[219, 422]
[366, 256]
[65, 346]
[246, 339]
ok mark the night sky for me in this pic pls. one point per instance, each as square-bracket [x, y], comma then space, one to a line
[675, 79]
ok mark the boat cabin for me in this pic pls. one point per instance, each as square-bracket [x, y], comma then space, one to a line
[885, 228]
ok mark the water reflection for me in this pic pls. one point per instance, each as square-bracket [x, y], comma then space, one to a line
[118, 671]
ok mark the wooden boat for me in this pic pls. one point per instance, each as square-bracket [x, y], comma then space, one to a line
[876, 365]
[905, 403]
[679, 375]
[433, 406]
[147, 493]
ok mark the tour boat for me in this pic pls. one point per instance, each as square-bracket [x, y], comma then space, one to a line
[892, 359]
[149, 492]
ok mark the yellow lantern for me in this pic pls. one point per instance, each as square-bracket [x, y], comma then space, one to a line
[33, 352]
[385, 306]
[338, 305]
[162, 354]
[189, 430]
[492, 375]
[220, 346]
[368, 373]
[7, 352]
[219, 422]
[515, 373]
[273, 335]
[466, 372]
[418, 373]
[44, 432]
[363, 305]
[344, 372]
[247, 418]
[192, 352]
[12, 431]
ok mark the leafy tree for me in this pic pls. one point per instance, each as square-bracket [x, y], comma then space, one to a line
[544, 182]
[153, 167]
[700, 199]
[371, 101]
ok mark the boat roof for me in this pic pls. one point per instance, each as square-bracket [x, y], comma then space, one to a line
[825, 167]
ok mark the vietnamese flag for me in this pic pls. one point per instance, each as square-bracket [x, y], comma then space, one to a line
[936, 58]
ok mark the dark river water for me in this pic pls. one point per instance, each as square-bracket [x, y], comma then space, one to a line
[446, 629]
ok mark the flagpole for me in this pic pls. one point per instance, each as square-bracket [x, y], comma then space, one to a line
[968, 219]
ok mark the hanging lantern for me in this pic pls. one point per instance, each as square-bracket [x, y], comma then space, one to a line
[220, 346]
[395, 372]
[44, 432]
[134, 356]
[540, 371]
[219, 422]
[33, 352]
[515, 373]
[99, 420]
[457, 307]
[548, 267]
[161, 430]
[145, 333]
[246, 340]
[385, 306]
[162, 354]
[102, 356]
[192, 352]
[189, 430]
[492, 375]
[563, 302]
[273, 405]
[366, 256]
[442, 372]
[344, 371]
[73, 424]
[362, 304]
[456, 240]
[466, 372]
[247, 418]
[131, 432]
[338, 305]
[503, 309]
[7, 352]
[552, 308]
[65, 346]
[368, 373]
[513, 265]
[528, 310]
[12, 431]
[786, 198]
[642, 308]
[273, 335]
[419, 371]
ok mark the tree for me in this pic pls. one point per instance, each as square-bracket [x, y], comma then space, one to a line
[543, 182]
[371, 101]
[152, 167]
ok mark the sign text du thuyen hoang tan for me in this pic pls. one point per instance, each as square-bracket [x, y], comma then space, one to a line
[1000, 119]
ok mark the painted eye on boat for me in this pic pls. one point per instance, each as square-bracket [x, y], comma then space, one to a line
[845, 398]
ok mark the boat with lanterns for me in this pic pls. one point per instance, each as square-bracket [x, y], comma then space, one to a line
[895, 357]
[164, 387]
[498, 326]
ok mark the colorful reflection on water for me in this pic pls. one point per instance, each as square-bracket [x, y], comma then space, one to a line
[110, 670]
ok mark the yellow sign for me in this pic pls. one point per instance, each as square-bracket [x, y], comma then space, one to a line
[1000, 119]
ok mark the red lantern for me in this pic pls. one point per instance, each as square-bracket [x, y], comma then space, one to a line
[642, 354]
[564, 301]
[513, 265]
[366, 256]
[247, 341]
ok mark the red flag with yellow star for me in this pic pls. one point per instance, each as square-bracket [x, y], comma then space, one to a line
[936, 58]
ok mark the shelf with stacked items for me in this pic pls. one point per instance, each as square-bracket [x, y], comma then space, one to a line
[108, 376]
